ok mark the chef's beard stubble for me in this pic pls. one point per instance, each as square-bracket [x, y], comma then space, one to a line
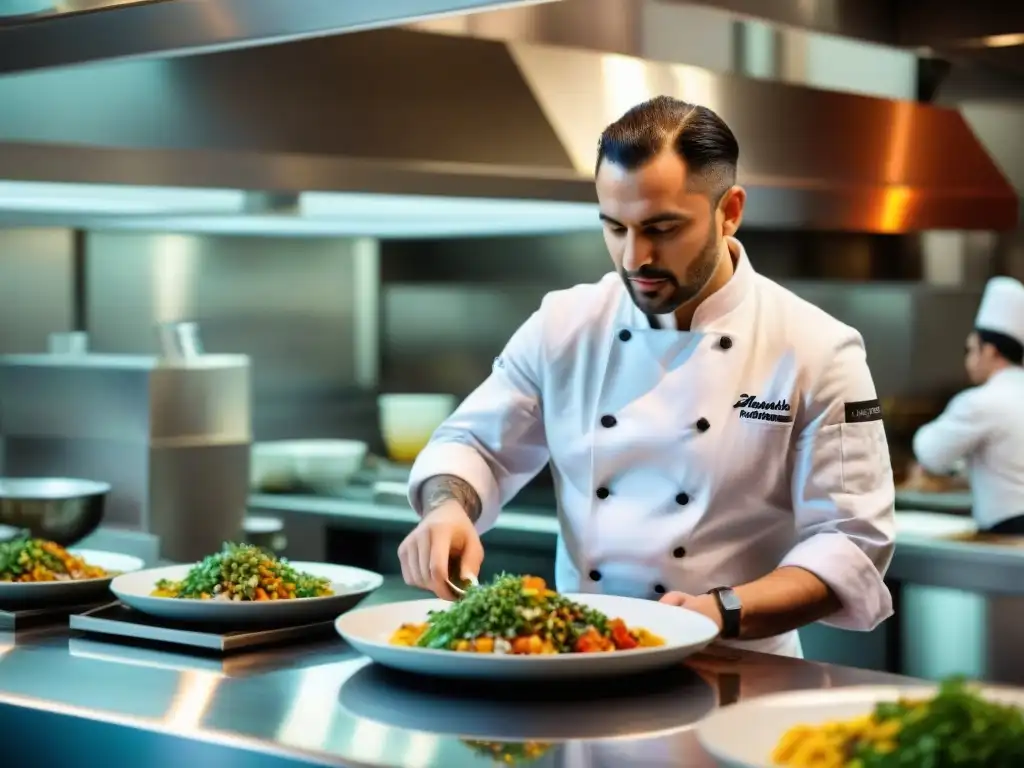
[698, 274]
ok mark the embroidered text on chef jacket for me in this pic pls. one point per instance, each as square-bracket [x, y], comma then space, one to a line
[688, 460]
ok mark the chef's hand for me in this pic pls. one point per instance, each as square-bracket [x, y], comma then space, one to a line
[705, 604]
[444, 535]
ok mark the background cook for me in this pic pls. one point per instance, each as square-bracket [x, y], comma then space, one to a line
[716, 441]
[982, 428]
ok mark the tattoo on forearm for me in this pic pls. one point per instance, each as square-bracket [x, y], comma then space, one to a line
[441, 488]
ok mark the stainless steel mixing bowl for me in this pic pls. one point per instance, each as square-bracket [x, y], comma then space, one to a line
[64, 510]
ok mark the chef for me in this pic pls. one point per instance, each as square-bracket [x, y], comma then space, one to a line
[716, 442]
[982, 428]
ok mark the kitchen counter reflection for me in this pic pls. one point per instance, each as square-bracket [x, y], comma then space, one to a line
[323, 704]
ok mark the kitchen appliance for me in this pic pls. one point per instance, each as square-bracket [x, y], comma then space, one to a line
[170, 433]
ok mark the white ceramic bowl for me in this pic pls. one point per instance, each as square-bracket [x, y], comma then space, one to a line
[408, 421]
[321, 466]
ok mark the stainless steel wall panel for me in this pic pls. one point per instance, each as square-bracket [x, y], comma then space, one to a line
[289, 304]
[36, 287]
[448, 307]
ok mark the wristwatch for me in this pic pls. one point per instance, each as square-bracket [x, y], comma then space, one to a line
[731, 607]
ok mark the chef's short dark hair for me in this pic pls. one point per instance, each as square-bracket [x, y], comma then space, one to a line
[697, 135]
[1007, 347]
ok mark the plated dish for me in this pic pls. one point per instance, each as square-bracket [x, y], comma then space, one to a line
[955, 724]
[38, 571]
[524, 632]
[33, 560]
[242, 572]
[243, 586]
[520, 615]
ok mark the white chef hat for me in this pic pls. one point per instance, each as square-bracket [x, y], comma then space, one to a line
[1002, 308]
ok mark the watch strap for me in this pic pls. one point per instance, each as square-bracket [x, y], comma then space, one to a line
[731, 610]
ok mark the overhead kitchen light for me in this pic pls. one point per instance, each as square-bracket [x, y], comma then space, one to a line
[58, 198]
[295, 226]
[1003, 41]
[403, 215]
[319, 214]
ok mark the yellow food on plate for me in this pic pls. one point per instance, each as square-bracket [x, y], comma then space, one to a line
[243, 572]
[520, 615]
[956, 727]
[36, 560]
[830, 745]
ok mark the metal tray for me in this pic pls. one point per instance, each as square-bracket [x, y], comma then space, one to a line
[245, 662]
[120, 621]
[17, 619]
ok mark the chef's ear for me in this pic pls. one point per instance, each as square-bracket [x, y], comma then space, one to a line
[730, 209]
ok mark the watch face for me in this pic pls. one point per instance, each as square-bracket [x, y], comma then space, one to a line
[729, 600]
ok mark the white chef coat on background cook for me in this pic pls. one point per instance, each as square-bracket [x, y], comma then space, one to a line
[688, 460]
[983, 426]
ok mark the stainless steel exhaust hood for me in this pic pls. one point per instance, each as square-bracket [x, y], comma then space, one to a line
[36, 34]
[401, 112]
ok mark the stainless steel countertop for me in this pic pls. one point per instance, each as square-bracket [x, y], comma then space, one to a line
[323, 704]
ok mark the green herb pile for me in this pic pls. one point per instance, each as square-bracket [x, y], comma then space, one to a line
[244, 572]
[505, 609]
[956, 729]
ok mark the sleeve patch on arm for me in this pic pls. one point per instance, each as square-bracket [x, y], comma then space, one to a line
[863, 410]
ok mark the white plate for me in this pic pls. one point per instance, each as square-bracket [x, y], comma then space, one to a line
[350, 585]
[685, 632]
[763, 721]
[43, 593]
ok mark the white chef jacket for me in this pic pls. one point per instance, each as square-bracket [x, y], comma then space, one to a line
[687, 460]
[983, 427]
